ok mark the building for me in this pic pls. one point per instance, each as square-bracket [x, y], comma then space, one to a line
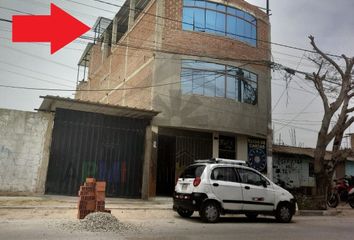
[166, 82]
[203, 65]
[293, 167]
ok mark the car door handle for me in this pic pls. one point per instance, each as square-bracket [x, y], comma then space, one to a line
[247, 188]
[216, 184]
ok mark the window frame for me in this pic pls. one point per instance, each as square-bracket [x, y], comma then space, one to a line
[232, 11]
[237, 178]
[250, 170]
[190, 68]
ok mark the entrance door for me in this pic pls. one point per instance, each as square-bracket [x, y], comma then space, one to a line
[165, 179]
[227, 147]
[177, 149]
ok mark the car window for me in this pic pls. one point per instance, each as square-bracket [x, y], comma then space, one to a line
[251, 177]
[224, 174]
[193, 171]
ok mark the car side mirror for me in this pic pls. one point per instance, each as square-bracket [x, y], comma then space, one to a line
[264, 184]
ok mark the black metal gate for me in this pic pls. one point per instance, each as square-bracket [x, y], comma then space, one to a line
[106, 147]
[176, 150]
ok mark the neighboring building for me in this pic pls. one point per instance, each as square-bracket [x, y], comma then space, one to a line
[293, 167]
[207, 63]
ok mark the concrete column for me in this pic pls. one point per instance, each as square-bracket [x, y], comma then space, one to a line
[131, 14]
[215, 145]
[241, 150]
[115, 30]
[148, 188]
[146, 166]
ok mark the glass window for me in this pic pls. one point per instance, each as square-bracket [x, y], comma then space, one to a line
[240, 26]
[198, 82]
[249, 17]
[220, 24]
[193, 171]
[199, 20]
[200, 3]
[254, 36]
[215, 18]
[210, 21]
[188, 3]
[217, 80]
[220, 7]
[209, 84]
[188, 16]
[231, 10]
[231, 87]
[240, 13]
[231, 26]
[220, 86]
[186, 82]
[250, 177]
[226, 174]
[211, 5]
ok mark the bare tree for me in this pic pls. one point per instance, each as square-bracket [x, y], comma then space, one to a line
[336, 88]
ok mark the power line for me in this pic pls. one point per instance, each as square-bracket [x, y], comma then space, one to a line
[179, 21]
[297, 115]
[5, 20]
[302, 128]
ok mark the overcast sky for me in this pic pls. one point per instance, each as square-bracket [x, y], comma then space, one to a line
[299, 108]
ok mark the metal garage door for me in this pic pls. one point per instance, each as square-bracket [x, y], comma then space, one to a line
[106, 147]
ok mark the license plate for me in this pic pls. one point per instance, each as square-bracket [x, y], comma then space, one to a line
[184, 186]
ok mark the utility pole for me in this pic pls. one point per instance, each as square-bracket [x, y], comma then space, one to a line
[268, 10]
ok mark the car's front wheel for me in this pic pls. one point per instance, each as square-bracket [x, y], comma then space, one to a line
[284, 213]
[184, 213]
[210, 212]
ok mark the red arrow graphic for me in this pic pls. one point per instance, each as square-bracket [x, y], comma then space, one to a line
[59, 28]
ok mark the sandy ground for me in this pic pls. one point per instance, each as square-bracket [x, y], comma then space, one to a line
[42, 218]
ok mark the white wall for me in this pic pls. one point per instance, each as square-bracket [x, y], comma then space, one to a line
[24, 151]
[294, 171]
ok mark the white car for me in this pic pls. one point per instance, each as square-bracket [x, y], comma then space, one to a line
[217, 186]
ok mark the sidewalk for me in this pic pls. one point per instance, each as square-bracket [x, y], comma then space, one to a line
[65, 202]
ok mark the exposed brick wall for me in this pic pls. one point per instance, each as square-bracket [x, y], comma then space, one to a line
[134, 50]
[205, 44]
[123, 67]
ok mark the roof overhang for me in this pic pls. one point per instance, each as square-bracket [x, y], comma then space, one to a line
[51, 103]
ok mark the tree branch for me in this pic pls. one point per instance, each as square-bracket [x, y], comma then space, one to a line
[330, 60]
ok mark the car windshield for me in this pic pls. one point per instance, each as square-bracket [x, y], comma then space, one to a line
[193, 171]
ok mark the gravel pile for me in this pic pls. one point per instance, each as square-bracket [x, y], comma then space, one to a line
[99, 222]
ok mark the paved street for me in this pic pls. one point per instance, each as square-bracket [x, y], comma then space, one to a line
[165, 224]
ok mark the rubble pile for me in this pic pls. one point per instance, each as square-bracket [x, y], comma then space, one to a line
[98, 222]
[91, 198]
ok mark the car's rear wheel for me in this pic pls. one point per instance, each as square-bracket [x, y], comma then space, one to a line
[210, 212]
[251, 216]
[184, 212]
[284, 213]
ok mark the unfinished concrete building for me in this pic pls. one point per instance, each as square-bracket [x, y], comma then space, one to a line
[202, 67]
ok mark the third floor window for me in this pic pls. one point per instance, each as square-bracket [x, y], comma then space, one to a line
[219, 19]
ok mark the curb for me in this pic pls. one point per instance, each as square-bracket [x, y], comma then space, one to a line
[318, 213]
[75, 208]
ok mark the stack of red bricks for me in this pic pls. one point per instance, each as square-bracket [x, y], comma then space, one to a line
[92, 198]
